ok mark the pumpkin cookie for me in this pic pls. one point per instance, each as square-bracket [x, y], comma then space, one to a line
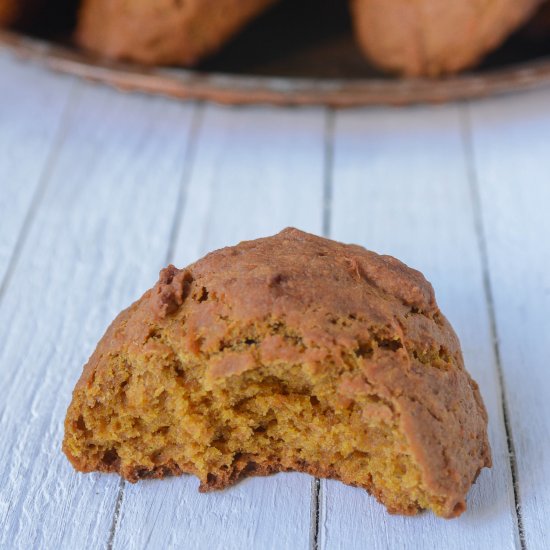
[291, 352]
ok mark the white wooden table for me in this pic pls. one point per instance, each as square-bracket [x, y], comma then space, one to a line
[99, 190]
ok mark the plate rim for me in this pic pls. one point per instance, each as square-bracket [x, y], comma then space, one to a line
[234, 89]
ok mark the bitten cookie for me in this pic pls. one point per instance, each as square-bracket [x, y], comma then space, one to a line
[433, 37]
[291, 352]
[162, 31]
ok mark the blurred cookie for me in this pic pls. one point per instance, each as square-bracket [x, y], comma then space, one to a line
[162, 32]
[434, 37]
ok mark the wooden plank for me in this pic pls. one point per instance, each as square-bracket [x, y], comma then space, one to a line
[28, 132]
[401, 187]
[96, 241]
[511, 139]
[256, 170]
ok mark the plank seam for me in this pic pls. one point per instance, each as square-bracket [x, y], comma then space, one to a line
[315, 498]
[188, 157]
[116, 514]
[328, 164]
[327, 171]
[188, 160]
[488, 292]
[40, 190]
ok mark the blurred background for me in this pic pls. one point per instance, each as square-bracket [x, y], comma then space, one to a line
[101, 188]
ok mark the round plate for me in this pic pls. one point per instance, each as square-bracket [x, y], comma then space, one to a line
[287, 60]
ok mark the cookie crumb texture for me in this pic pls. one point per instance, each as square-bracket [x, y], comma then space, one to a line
[291, 352]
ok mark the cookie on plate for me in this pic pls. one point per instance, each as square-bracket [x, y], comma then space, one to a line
[434, 37]
[162, 32]
[292, 352]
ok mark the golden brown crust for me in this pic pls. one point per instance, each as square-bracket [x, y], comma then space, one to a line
[338, 301]
[162, 32]
[247, 466]
[433, 37]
